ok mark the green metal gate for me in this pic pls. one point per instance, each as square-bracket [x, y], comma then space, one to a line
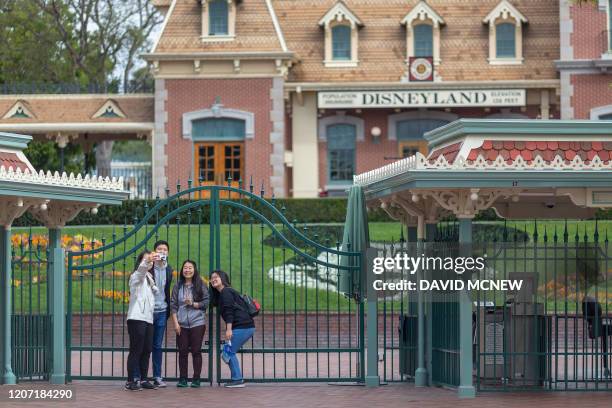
[554, 334]
[30, 319]
[306, 330]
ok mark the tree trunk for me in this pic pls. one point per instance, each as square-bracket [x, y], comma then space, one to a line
[103, 157]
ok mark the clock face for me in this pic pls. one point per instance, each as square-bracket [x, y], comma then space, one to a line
[421, 69]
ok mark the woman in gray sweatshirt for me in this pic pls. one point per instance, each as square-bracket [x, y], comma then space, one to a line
[188, 304]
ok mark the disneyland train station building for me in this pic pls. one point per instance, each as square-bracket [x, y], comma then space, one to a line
[302, 95]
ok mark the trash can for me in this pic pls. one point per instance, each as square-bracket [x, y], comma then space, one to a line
[408, 338]
[491, 340]
[528, 344]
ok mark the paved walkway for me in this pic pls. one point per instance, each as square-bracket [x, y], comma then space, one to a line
[106, 394]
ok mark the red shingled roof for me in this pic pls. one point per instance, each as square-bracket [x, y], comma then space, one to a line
[12, 160]
[449, 152]
[528, 150]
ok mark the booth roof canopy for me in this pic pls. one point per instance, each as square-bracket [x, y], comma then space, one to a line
[549, 146]
[18, 178]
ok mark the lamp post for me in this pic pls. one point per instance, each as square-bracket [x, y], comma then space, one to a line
[375, 132]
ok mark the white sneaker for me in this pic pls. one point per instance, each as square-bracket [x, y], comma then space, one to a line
[159, 382]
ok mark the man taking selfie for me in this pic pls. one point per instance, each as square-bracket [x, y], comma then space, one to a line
[162, 272]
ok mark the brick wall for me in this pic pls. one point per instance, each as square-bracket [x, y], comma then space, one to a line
[588, 38]
[590, 91]
[252, 95]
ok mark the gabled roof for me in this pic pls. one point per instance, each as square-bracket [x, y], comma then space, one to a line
[421, 12]
[381, 44]
[504, 9]
[82, 108]
[256, 30]
[340, 12]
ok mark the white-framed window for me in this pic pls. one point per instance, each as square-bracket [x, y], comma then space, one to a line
[341, 42]
[505, 34]
[218, 20]
[341, 37]
[506, 40]
[341, 164]
[423, 32]
[423, 40]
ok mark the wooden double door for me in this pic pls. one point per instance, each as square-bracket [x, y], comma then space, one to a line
[216, 162]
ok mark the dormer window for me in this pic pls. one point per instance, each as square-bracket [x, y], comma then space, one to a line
[218, 20]
[423, 40]
[505, 34]
[341, 36]
[423, 32]
[506, 40]
[341, 43]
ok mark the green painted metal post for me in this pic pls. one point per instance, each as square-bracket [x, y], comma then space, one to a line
[420, 375]
[57, 308]
[411, 234]
[372, 377]
[8, 377]
[430, 234]
[466, 383]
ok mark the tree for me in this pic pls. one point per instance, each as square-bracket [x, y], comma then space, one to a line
[44, 156]
[103, 37]
[29, 50]
[75, 41]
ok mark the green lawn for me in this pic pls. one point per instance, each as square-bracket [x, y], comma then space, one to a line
[245, 256]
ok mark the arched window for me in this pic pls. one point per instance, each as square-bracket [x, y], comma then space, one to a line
[423, 40]
[410, 135]
[218, 17]
[341, 153]
[341, 42]
[506, 40]
[218, 129]
[414, 129]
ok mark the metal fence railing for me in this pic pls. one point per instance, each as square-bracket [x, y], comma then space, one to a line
[32, 88]
[137, 178]
[554, 334]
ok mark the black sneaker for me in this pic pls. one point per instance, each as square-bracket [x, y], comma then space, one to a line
[146, 385]
[234, 384]
[132, 386]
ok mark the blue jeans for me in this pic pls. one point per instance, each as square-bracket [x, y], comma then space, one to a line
[159, 328]
[239, 337]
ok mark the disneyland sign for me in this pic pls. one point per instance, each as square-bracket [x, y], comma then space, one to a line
[422, 98]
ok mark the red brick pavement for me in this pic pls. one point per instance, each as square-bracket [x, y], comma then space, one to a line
[98, 395]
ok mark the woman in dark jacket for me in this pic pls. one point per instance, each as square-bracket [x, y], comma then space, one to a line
[188, 304]
[240, 327]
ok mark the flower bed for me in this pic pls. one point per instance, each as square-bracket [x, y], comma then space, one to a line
[114, 295]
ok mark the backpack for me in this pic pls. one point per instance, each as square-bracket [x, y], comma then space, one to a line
[251, 306]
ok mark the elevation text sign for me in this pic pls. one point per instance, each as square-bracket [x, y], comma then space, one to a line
[421, 98]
